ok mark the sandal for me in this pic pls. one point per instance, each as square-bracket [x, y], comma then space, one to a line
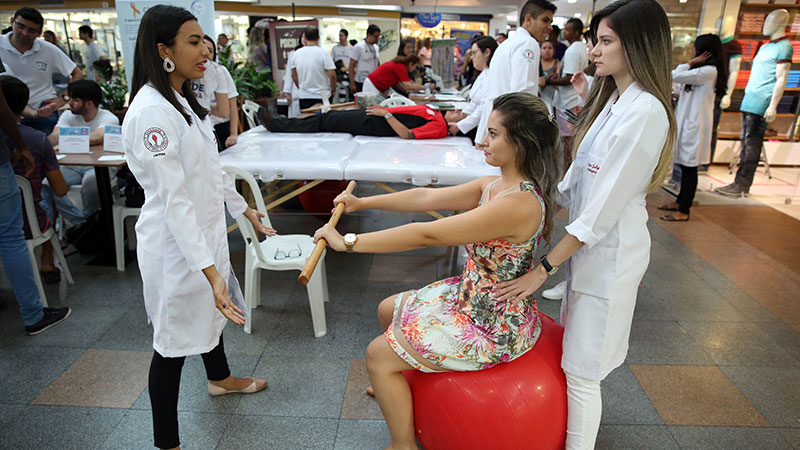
[671, 218]
[667, 207]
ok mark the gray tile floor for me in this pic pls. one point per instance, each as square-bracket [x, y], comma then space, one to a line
[687, 314]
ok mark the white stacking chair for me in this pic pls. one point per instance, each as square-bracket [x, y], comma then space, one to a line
[397, 100]
[38, 238]
[120, 212]
[281, 252]
[250, 109]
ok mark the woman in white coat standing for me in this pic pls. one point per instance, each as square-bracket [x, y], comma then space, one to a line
[289, 87]
[703, 79]
[624, 138]
[182, 242]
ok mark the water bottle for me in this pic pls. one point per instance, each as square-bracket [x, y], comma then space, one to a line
[427, 90]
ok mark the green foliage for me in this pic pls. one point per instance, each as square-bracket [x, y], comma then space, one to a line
[250, 83]
[114, 92]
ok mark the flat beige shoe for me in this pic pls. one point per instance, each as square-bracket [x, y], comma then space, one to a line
[258, 384]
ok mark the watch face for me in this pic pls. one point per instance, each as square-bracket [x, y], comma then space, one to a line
[350, 238]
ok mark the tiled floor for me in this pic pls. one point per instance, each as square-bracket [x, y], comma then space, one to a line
[714, 360]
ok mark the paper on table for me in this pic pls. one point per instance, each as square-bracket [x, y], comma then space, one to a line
[111, 158]
[60, 157]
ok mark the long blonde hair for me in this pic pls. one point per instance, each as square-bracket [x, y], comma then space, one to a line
[643, 30]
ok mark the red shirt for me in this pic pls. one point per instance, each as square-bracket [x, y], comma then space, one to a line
[388, 74]
[434, 128]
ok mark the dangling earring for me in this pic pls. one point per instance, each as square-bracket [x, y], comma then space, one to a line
[169, 66]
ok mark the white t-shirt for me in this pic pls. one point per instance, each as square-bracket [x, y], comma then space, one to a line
[103, 118]
[36, 67]
[575, 60]
[342, 52]
[232, 92]
[93, 53]
[212, 82]
[368, 57]
[312, 64]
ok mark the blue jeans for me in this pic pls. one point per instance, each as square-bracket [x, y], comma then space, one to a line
[14, 251]
[74, 176]
[753, 129]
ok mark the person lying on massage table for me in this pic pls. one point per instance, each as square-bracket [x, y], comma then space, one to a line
[408, 122]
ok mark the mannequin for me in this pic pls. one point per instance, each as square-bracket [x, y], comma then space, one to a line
[732, 53]
[761, 96]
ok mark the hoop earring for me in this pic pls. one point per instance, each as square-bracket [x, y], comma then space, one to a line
[168, 65]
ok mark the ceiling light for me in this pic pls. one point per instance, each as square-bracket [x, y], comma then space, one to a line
[577, 15]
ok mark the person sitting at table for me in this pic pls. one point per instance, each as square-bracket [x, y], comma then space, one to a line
[460, 323]
[394, 73]
[407, 122]
[85, 97]
[46, 167]
[465, 122]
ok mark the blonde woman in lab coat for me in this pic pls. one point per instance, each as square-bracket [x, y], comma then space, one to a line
[624, 138]
[701, 81]
[182, 242]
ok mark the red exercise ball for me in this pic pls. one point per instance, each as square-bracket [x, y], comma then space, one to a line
[516, 405]
[319, 199]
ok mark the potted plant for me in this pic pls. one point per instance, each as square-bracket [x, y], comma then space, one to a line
[115, 92]
[252, 84]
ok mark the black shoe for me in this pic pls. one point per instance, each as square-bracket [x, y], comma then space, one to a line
[52, 317]
[50, 276]
[265, 117]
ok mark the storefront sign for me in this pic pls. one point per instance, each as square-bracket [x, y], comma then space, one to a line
[429, 20]
[463, 38]
[285, 37]
[130, 15]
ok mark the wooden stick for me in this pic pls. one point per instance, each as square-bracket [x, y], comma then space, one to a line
[333, 106]
[312, 261]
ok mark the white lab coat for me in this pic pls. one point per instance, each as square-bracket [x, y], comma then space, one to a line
[289, 87]
[181, 228]
[604, 190]
[515, 68]
[694, 114]
[478, 95]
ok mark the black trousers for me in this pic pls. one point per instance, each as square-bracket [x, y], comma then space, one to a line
[309, 102]
[355, 122]
[164, 384]
[715, 127]
[223, 130]
[688, 188]
[753, 129]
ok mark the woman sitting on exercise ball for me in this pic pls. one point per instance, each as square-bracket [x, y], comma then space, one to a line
[458, 323]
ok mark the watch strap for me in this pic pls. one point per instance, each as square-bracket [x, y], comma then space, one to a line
[547, 266]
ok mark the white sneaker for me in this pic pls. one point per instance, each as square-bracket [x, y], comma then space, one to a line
[556, 292]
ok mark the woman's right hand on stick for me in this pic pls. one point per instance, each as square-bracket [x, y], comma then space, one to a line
[351, 202]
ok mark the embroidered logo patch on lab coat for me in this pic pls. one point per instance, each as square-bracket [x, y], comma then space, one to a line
[528, 55]
[155, 140]
[592, 168]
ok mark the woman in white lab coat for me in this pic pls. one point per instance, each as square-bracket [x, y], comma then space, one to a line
[703, 79]
[624, 138]
[189, 287]
[466, 121]
[289, 88]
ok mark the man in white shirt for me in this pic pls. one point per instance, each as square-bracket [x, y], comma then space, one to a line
[342, 50]
[85, 97]
[364, 59]
[34, 61]
[313, 71]
[93, 51]
[515, 64]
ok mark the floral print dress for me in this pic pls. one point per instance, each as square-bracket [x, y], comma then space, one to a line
[457, 323]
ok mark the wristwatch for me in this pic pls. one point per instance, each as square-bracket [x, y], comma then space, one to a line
[350, 240]
[547, 267]
[388, 115]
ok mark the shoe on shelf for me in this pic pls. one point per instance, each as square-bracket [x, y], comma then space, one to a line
[733, 190]
[556, 292]
[52, 317]
[258, 384]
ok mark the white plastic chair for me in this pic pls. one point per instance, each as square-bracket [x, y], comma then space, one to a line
[278, 253]
[38, 238]
[250, 109]
[397, 100]
[120, 213]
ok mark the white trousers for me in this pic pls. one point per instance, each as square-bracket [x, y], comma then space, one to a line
[584, 408]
